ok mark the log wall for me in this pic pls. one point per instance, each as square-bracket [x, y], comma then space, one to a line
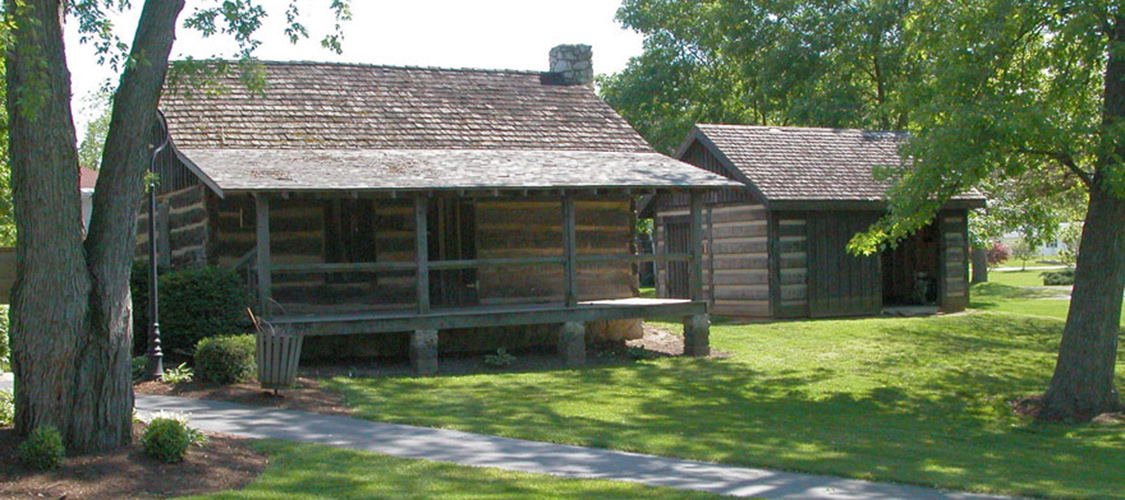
[790, 265]
[182, 227]
[528, 228]
[953, 225]
[739, 277]
[296, 237]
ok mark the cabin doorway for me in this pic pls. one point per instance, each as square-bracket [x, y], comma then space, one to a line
[451, 235]
[911, 270]
[349, 237]
[678, 238]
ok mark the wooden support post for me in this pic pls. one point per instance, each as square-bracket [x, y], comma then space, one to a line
[697, 335]
[424, 352]
[695, 273]
[265, 281]
[570, 251]
[572, 344]
[422, 253]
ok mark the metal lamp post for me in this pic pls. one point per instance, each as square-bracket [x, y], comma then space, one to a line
[155, 367]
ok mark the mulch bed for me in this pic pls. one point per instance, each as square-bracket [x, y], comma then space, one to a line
[223, 463]
[1031, 405]
[306, 396]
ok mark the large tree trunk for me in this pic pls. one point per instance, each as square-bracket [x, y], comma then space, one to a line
[979, 258]
[105, 374]
[1083, 386]
[71, 308]
[49, 310]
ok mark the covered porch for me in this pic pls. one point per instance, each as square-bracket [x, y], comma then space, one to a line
[504, 265]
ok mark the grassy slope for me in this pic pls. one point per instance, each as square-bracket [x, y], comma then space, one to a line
[1006, 291]
[301, 471]
[922, 401]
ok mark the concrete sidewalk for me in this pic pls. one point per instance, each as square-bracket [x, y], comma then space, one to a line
[527, 456]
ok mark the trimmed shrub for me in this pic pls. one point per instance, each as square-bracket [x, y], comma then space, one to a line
[5, 350]
[167, 437]
[139, 367]
[1058, 278]
[43, 449]
[194, 304]
[7, 409]
[227, 359]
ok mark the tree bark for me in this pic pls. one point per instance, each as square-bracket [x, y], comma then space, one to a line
[104, 383]
[71, 334]
[48, 310]
[979, 257]
[1082, 386]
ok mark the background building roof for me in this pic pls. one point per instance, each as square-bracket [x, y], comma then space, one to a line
[807, 164]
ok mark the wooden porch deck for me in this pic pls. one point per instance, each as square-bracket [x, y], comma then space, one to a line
[489, 316]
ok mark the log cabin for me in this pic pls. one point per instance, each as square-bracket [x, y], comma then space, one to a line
[360, 200]
[777, 249]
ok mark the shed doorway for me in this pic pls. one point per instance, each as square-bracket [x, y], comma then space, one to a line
[911, 270]
[452, 236]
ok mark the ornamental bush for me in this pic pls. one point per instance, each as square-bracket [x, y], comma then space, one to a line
[998, 253]
[228, 359]
[43, 449]
[7, 409]
[167, 437]
[194, 304]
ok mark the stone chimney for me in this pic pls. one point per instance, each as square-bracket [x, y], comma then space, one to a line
[571, 63]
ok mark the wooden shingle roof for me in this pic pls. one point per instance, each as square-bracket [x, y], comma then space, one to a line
[351, 106]
[233, 170]
[329, 127]
[807, 164]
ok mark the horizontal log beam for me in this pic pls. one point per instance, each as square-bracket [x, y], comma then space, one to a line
[480, 317]
[635, 258]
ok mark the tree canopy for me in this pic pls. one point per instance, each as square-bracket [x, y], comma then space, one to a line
[776, 62]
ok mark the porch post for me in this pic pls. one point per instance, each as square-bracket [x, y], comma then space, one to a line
[695, 277]
[265, 280]
[570, 251]
[422, 253]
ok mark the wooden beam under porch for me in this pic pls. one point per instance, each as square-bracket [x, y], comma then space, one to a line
[490, 316]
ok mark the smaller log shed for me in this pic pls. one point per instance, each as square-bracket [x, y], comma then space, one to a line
[364, 200]
[777, 247]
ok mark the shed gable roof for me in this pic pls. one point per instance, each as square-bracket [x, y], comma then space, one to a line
[805, 164]
[350, 106]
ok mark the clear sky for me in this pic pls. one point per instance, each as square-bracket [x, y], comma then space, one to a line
[491, 34]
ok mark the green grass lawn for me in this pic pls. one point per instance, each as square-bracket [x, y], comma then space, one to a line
[1008, 291]
[303, 471]
[920, 400]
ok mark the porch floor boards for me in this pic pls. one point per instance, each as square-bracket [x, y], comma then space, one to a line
[487, 316]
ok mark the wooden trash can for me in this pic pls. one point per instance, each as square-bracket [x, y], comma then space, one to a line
[279, 352]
